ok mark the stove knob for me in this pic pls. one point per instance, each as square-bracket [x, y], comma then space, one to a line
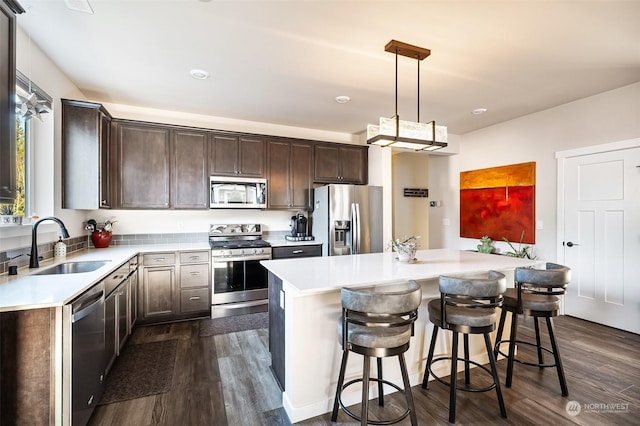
[257, 251]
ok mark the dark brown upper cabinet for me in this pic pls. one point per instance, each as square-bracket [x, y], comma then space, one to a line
[231, 155]
[290, 166]
[142, 165]
[337, 163]
[7, 103]
[86, 155]
[189, 174]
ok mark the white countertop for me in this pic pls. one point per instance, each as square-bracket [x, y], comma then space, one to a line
[314, 275]
[29, 291]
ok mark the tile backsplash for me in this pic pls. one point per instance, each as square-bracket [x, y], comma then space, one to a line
[20, 257]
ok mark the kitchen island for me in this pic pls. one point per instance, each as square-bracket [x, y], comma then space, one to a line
[304, 308]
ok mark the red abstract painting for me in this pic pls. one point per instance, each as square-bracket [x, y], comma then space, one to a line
[499, 202]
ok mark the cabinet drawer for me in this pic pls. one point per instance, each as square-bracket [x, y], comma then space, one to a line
[159, 259]
[296, 251]
[195, 257]
[115, 278]
[194, 275]
[194, 300]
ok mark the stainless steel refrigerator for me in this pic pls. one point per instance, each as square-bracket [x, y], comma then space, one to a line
[347, 219]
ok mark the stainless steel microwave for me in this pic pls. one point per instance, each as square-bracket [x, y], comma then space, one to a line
[237, 193]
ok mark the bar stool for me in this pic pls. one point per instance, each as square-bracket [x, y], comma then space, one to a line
[468, 306]
[536, 294]
[377, 322]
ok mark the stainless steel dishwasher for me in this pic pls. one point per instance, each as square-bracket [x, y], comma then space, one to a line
[88, 351]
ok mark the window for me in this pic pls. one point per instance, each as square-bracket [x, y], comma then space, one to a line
[26, 93]
[19, 206]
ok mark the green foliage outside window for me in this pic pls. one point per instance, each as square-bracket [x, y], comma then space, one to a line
[18, 206]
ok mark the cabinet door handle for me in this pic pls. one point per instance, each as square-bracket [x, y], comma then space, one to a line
[194, 298]
[297, 251]
[195, 272]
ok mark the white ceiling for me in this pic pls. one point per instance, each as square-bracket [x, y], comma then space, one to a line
[284, 62]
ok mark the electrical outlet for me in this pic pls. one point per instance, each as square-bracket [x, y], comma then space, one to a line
[432, 203]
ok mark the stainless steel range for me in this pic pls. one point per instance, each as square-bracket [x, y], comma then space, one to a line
[239, 282]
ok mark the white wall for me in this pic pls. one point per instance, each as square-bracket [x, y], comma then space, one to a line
[608, 117]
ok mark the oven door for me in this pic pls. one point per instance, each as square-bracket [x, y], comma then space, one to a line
[239, 279]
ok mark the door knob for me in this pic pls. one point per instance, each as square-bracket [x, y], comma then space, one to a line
[570, 244]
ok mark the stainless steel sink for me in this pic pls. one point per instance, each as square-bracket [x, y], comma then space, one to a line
[73, 267]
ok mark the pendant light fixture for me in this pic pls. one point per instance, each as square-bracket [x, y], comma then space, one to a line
[407, 134]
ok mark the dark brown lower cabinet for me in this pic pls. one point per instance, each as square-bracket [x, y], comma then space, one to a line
[276, 310]
[27, 366]
[276, 330]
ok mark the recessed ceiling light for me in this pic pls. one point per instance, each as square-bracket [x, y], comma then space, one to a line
[199, 74]
[479, 111]
[342, 99]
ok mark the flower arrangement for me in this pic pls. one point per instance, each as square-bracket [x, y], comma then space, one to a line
[405, 248]
[93, 226]
[100, 232]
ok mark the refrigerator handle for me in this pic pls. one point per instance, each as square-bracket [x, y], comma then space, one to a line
[355, 228]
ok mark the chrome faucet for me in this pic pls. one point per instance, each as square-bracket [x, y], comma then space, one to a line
[34, 262]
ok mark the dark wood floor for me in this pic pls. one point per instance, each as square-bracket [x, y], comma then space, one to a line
[225, 380]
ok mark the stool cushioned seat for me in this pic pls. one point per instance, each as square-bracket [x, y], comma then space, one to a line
[461, 316]
[377, 338]
[533, 302]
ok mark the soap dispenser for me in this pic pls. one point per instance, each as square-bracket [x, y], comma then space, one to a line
[60, 249]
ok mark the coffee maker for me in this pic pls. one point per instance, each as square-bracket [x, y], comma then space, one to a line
[298, 228]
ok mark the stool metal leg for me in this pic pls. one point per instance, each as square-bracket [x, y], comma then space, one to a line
[452, 381]
[556, 355]
[432, 347]
[407, 390]
[380, 390]
[494, 373]
[503, 315]
[512, 348]
[336, 404]
[364, 415]
[467, 378]
[538, 343]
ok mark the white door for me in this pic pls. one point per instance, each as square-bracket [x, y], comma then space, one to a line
[602, 237]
